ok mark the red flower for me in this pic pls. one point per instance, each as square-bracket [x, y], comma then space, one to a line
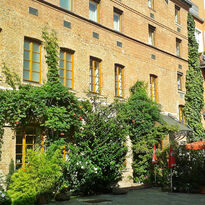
[62, 133]
[80, 118]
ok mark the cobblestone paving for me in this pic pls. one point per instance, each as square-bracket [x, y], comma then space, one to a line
[140, 197]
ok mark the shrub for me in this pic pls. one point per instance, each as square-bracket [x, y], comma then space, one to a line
[11, 172]
[41, 174]
[98, 152]
[4, 198]
[140, 114]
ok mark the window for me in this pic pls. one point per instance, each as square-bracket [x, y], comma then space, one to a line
[94, 11]
[95, 72]
[181, 114]
[151, 37]
[26, 139]
[66, 4]
[117, 20]
[177, 14]
[153, 87]
[151, 4]
[178, 47]
[32, 61]
[179, 81]
[119, 81]
[199, 40]
[66, 68]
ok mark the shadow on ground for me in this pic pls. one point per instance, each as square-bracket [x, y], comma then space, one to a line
[150, 196]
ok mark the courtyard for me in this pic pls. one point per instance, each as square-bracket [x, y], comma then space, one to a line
[148, 196]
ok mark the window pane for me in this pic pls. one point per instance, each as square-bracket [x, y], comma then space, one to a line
[91, 63]
[35, 66]
[19, 139]
[62, 80]
[150, 3]
[26, 75]
[116, 22]
[68, 66]
[19, 159]
[91, 79]
[26, 55]
[36, 57]
[26, 64]
[69, 83]
[29, 140]
[62, 55]
[29, 147]
[93, 11]
[26, 44]
[35, 77]
[68, 57]
[66, 4]
[18, 148]
[177, 49]
[120, 92]
[36, 47]
[61, 64]
[69, 74]
[61, 73]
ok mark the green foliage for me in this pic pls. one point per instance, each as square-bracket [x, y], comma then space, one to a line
[194, 100]
[96, 157]
[11, 172]
[12, 79]
[51, 47]
[188, 174]
[4, 198]
[141, 114]
[41, 174]
[51, 106]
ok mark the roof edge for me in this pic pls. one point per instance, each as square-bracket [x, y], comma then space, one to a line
[187, 2]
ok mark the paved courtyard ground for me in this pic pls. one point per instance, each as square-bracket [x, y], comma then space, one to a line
[149, 196]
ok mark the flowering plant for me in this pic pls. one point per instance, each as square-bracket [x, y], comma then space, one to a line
[4, 198]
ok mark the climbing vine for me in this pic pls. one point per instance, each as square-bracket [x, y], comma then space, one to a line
[51, 107]
[194, 101]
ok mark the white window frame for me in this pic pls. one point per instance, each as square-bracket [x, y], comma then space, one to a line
[199, 39]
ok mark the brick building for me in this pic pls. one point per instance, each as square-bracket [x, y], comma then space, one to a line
[105, 47]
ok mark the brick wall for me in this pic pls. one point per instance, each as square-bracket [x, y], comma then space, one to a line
[135, 54]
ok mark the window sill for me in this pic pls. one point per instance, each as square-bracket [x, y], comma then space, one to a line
[179, 25]
[119, 98]
[152, 9]
[90, 93]
[72, 91]
[31, 82]
[181, 91]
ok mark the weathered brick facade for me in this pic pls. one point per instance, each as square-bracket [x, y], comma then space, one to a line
[138, 57]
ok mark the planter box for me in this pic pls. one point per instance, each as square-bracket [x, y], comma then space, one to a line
[202, 189]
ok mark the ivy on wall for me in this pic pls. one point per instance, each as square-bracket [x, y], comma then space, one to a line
[51, 107]
[194, 100]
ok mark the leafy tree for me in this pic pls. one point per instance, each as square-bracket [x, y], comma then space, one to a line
[97, 155]
[194, 101]
[146, 128]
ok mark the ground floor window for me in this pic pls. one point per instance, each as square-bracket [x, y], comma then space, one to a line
[26, 139]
